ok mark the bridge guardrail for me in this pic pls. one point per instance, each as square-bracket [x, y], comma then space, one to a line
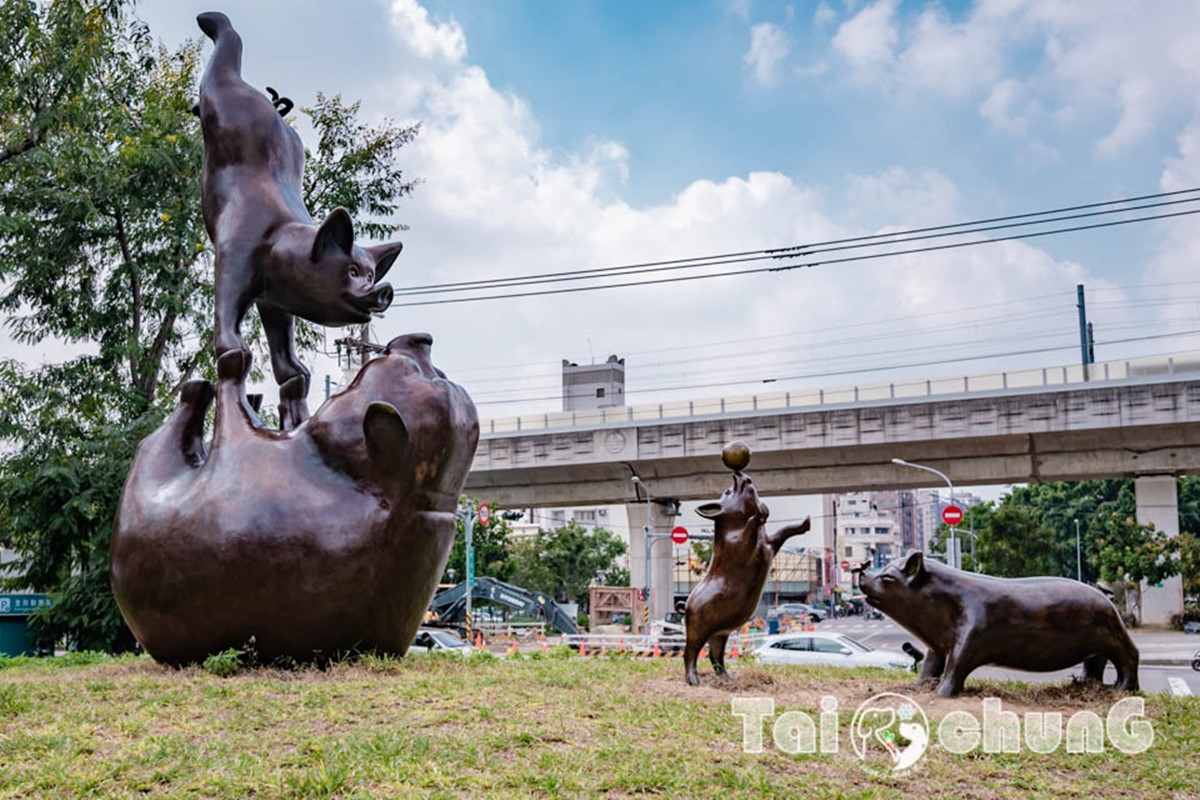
[1117, 370]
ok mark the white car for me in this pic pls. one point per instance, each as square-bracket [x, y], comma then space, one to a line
[829, 649]
[429, 640]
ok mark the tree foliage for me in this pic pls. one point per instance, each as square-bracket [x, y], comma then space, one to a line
[1013, 543]
[491, 545]
[564, 562]
[103, 250]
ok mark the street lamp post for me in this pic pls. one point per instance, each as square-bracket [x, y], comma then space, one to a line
[952, 557]
[647, 544]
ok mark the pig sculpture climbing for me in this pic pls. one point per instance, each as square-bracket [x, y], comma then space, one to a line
[327, 537]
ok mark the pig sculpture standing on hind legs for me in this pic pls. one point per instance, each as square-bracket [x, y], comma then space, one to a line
[728, 594]
[329, 536]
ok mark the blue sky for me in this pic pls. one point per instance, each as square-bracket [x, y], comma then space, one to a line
[671, 82]
[569, 134]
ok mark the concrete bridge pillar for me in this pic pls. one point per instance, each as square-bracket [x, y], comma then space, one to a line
[662, 554]
[1158, 503]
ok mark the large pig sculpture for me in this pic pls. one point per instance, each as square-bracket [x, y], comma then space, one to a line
[324, 540]
[969, 620]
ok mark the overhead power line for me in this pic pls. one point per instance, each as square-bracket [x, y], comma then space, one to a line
[888, 241]
[859, 370]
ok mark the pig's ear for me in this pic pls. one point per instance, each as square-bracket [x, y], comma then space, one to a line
[914, 566]
[335, 234]
[385, 256]
[709, 510]
[385, 433]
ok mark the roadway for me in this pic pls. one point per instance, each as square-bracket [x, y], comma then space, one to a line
[1165, 657]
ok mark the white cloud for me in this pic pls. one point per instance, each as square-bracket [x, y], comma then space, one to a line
[444, 41]
[1179, 253]
[768, 49]
[1001, 108]
[824, 14]
[904, 198]
[740, 9]
[868, 39]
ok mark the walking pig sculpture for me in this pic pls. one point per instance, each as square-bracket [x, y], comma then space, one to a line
[324, 540]
[968, 620]
[728, 594]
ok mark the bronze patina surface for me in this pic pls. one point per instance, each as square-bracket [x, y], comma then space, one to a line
[969, 620]
[269, 251]
[328, 539]
[727, 595]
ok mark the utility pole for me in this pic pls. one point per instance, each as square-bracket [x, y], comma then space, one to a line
[1086, 349]
[466, 513]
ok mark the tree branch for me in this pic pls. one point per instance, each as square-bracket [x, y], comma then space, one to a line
[135, 290]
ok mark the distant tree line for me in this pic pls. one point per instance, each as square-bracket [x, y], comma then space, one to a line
[1032, 531]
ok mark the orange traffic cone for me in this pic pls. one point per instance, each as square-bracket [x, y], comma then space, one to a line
[734, 652]
[545, 647]
[583, 648]
[513, 649]
[657, 653]
[479, 638]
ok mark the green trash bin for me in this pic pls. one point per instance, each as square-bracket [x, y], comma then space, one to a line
[15, 610]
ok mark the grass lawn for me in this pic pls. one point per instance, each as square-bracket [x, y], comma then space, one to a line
[524, 727]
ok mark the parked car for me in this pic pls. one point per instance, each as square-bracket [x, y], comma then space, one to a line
[830, 649]
[1191, 627]
[797, 610]
[441, 640]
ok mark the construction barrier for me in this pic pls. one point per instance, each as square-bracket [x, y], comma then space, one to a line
[637, 646]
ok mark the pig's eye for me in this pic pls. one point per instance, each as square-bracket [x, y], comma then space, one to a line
[353, 271]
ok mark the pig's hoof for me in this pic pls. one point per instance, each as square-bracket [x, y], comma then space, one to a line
[233, 365]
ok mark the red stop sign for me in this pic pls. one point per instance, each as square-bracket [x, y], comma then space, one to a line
[845, 565]
[952, 515]
[679, 535]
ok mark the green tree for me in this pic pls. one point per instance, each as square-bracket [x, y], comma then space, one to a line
[617, 576]
[1013, 543]
[1128, 551]
[102, 247]
[564, 562]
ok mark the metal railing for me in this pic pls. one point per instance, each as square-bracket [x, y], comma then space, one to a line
[1025, 379]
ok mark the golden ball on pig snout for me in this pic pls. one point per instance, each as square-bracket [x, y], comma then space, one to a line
[736, 456]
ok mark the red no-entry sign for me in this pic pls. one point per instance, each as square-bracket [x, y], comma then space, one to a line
[485, 513]
[845, 565]
[952, 515]
[679, 535]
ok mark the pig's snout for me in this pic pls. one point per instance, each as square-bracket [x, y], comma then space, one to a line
[381, 298]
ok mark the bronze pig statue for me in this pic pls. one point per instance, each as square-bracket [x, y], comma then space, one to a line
[969, 620]
[324, 540]
[728, 594]
[269, 251]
